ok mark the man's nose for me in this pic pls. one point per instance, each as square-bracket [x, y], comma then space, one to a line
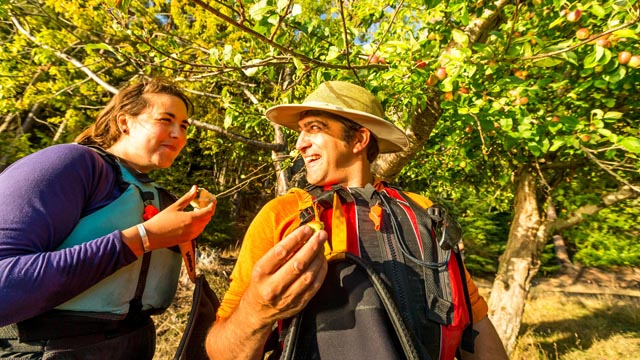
[303, 141]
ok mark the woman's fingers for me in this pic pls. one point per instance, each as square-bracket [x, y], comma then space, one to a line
[184, 201]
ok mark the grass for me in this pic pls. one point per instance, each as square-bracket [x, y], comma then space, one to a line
[565, 326]
[555, 325]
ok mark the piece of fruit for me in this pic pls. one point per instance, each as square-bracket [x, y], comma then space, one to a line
[203, 199]
[634, 62]
[582, 33]
[624, 57]
[574, 16]
[316, 225]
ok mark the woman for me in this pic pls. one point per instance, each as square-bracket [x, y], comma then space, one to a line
[85, 256]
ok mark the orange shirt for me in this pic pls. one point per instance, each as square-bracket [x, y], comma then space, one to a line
[278, 218]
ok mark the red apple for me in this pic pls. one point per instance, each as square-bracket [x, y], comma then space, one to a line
[556, 118]
[582, 33]
[448, 96]
[374, 59]
[421, 64]
[585, 137]
[521, 101]
[624, 57]
[574, 16]
[634, 62]
[463, 90]
[603, 43]
[441, 73]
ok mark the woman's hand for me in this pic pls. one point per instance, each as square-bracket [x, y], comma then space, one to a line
[172, 225]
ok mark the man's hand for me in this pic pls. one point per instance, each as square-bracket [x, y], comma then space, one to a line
[286, 278]
[283, 281]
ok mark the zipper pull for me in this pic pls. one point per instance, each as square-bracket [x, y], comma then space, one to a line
[376, 216]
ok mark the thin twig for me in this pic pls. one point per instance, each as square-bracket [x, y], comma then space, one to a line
[64, 56]
[606, 168]
[558, 52]
[393, 19]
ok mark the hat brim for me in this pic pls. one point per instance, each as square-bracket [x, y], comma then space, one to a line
[390, 137]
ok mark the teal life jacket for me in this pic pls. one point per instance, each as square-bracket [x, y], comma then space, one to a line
[151, 280]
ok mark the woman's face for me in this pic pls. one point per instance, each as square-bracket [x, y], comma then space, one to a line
[154, 138]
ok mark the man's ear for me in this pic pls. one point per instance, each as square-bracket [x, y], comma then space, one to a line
[361, 140]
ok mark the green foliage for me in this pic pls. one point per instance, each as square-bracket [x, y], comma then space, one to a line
[609, 238]
[520, 91]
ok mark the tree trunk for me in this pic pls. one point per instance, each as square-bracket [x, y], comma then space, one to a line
[518, 264]
[282, 177]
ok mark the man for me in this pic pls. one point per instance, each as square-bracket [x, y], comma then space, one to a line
[282, 265]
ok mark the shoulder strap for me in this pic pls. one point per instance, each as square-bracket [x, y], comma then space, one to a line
[449, 235]
[404, 334]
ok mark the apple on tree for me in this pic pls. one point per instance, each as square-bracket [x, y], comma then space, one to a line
[634, 62]
[582, 33]
[624, 57]
[574, 15]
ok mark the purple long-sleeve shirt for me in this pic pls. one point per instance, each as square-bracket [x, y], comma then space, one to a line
[42, 198]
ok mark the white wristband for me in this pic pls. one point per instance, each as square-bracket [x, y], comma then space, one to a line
[144, 237]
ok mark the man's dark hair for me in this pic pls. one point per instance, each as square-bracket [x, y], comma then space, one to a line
[350, 129]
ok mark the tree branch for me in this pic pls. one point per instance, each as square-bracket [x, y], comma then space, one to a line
[274, 44]
[482, 25]
[626, 192]
[240, 138]
[607, 169]
[65, 57]
[558, 52]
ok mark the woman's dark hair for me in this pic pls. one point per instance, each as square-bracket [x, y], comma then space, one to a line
[130, 100]
[350, 129]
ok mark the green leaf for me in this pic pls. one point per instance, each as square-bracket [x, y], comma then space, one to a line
[100, 46]
[333, 53]
[237, 60]
[631, 144]
[258, 10]
[625, 33]
[548, 62]
[447, 84]
[556, 144]
[460, 37]
[296, 10]
[598, 10]
[590, 61]
[612, 115]
[123, 5]
[616, 75]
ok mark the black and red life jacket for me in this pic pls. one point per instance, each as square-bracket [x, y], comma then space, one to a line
[399, 293]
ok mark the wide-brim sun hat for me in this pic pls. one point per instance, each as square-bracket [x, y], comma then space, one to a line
[347, 100]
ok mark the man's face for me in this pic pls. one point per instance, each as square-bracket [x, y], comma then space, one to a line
[328, 158]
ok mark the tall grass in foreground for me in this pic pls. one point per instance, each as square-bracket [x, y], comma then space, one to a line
[556, 325]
